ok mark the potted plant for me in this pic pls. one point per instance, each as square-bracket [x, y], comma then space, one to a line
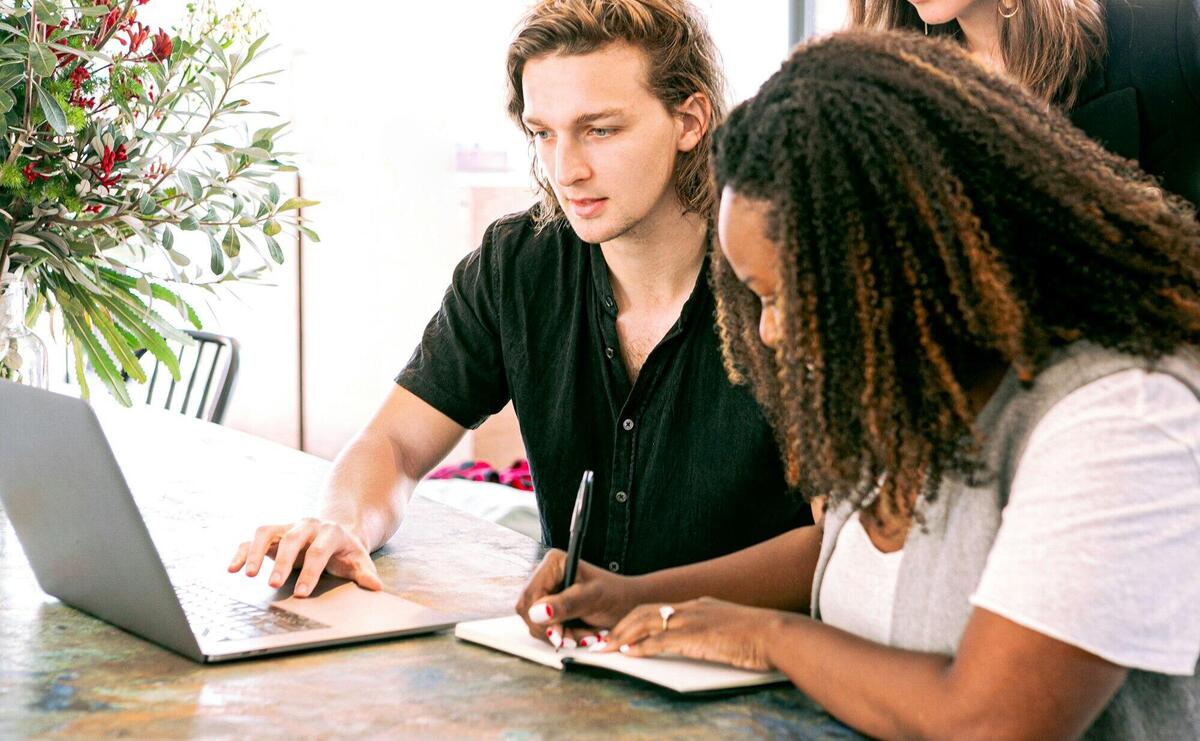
[118, 143]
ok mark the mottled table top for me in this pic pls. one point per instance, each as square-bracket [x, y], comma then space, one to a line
[202, 489]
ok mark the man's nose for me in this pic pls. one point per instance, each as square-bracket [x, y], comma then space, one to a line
[570, 165]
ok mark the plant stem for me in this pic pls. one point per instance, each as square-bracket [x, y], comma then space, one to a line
[19, 144]
[4, 254]
[115, 26]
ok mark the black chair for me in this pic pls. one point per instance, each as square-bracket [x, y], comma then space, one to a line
[213, 360]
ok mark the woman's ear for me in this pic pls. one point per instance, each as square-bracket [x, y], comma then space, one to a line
[693, 116]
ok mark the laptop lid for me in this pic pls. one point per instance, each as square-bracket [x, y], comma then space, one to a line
[77, 521]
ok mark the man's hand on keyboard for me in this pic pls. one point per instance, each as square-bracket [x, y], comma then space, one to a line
[313, 546]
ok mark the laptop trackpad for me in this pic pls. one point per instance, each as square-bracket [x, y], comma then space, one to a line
[343, 604]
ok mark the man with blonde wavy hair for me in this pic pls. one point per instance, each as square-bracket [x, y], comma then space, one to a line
[591, 312]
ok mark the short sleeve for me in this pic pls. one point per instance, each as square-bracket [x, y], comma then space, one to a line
[458, 368]
[1099, 545]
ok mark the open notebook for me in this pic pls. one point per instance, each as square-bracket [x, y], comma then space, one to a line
[685, 676]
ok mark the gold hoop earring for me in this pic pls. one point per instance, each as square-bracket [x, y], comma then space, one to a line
[1010, 12]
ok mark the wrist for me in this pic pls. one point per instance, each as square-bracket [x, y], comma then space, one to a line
[777, 633]
[638, 591]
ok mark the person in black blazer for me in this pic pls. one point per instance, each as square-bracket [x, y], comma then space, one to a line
[1127, 72]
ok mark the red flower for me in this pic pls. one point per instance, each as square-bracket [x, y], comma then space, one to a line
[110, 20]
[32, 175]
[80, 75]
[92, 208]
[138, 33]
[161, 50]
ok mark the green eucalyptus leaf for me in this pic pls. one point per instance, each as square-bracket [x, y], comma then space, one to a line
[147, 205]
[7, 101]
[272, 192]
[54, 112]
[254, 47]
[294, 203]
[191, 185]
[168, 238]
[189, 224]
[312, 236]
[275, 249]
[271, 228]
[255, 153]
[230, 244]
[47, 13]
[217, 261]
[42, 60]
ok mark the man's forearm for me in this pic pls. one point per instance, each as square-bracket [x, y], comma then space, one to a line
[368, 488]
[777, 573]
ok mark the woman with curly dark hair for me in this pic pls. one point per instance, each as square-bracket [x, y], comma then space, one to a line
[972, 329]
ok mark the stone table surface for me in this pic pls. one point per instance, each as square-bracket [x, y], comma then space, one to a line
[202, 489]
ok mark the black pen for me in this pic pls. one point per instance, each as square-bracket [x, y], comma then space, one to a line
[579, 523]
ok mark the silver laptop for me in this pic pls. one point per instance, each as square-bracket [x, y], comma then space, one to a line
[89, 547]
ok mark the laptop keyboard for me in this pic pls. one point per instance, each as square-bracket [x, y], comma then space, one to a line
[219, 617]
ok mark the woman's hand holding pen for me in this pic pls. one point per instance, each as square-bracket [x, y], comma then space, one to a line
[598, 598]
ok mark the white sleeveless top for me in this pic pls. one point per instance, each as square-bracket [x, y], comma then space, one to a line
[859, 588]
[1099, 542]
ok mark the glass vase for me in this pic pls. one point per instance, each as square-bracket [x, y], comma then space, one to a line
[22, 353]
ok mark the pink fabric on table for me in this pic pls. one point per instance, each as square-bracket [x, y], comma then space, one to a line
[517, 475]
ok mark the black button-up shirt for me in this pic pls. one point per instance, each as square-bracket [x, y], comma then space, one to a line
[686, 468]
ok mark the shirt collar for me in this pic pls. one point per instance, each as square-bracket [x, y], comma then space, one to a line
[607, 302]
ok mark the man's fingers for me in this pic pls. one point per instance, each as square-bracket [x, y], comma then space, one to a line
[366, 575]
[239, 558]
[264, 538]
[290, 546]
[316, 556]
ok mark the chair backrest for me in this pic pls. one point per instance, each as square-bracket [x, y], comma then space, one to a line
[207, 372]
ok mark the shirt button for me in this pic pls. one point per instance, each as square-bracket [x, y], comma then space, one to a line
[608, 301]
[614, 567]
[622, 497]
[609, 352]
[627, 424]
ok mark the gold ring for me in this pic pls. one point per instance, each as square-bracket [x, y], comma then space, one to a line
[666, 611]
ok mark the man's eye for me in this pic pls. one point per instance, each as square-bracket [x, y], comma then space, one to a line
[602, 133]
[543, 135]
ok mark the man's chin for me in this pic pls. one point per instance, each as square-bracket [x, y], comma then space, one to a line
[596, 231]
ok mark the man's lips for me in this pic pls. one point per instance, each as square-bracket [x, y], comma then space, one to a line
[585, 207]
